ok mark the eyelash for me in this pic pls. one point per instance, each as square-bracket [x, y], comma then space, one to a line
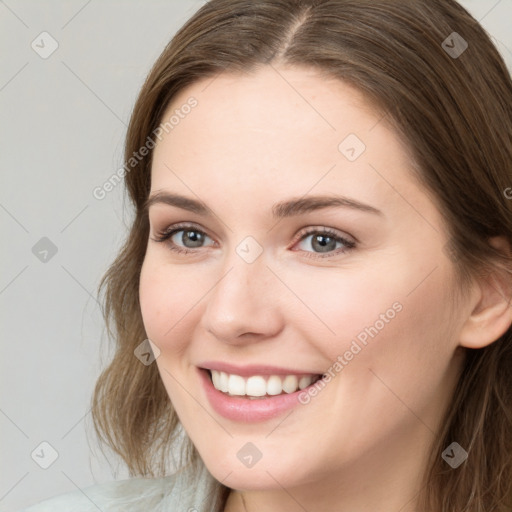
[168, 233]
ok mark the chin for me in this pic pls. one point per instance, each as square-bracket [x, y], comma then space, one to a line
[265, 474]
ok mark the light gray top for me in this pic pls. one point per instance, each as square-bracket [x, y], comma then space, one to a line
[186, 491]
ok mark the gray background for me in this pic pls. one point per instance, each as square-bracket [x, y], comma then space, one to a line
[63, 123]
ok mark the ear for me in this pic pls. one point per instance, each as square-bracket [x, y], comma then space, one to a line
[491, 316]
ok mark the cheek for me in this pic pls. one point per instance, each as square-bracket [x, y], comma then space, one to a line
[382, 321]
[344, 306]
[167, 301]
[406, 351]
[390, 359]
[168, 305]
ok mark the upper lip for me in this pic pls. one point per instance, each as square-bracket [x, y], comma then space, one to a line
[252, 369]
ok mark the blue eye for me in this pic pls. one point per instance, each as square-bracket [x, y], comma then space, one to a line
[187, 238]
[324, 243]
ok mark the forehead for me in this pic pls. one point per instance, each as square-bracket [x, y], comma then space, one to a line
[273, 107]
[280, 130]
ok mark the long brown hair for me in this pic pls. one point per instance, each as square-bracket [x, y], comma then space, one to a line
[451, 104]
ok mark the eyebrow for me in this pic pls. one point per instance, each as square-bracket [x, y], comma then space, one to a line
[289, 208]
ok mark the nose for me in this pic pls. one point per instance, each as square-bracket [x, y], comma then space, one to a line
[243, 305]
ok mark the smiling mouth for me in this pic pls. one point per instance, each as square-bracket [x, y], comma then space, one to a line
[260, 386]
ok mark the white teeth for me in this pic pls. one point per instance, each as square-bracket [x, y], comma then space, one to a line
[290, 383]
[236, 385]
[304, 382]
[274, 385]
[257, 385]
[223, 382]
[216, 380]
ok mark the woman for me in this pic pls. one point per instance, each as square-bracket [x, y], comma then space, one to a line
[314, 299]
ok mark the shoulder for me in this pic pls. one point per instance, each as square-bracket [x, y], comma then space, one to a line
[190, 489]
[130, 495]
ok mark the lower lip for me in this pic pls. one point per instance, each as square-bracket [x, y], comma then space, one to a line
[246, 410]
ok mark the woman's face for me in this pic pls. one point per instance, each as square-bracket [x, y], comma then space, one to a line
[307, 248]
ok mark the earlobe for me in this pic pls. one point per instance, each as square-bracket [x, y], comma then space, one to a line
[491, 315]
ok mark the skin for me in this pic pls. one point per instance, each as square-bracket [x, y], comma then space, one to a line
[252, 141]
